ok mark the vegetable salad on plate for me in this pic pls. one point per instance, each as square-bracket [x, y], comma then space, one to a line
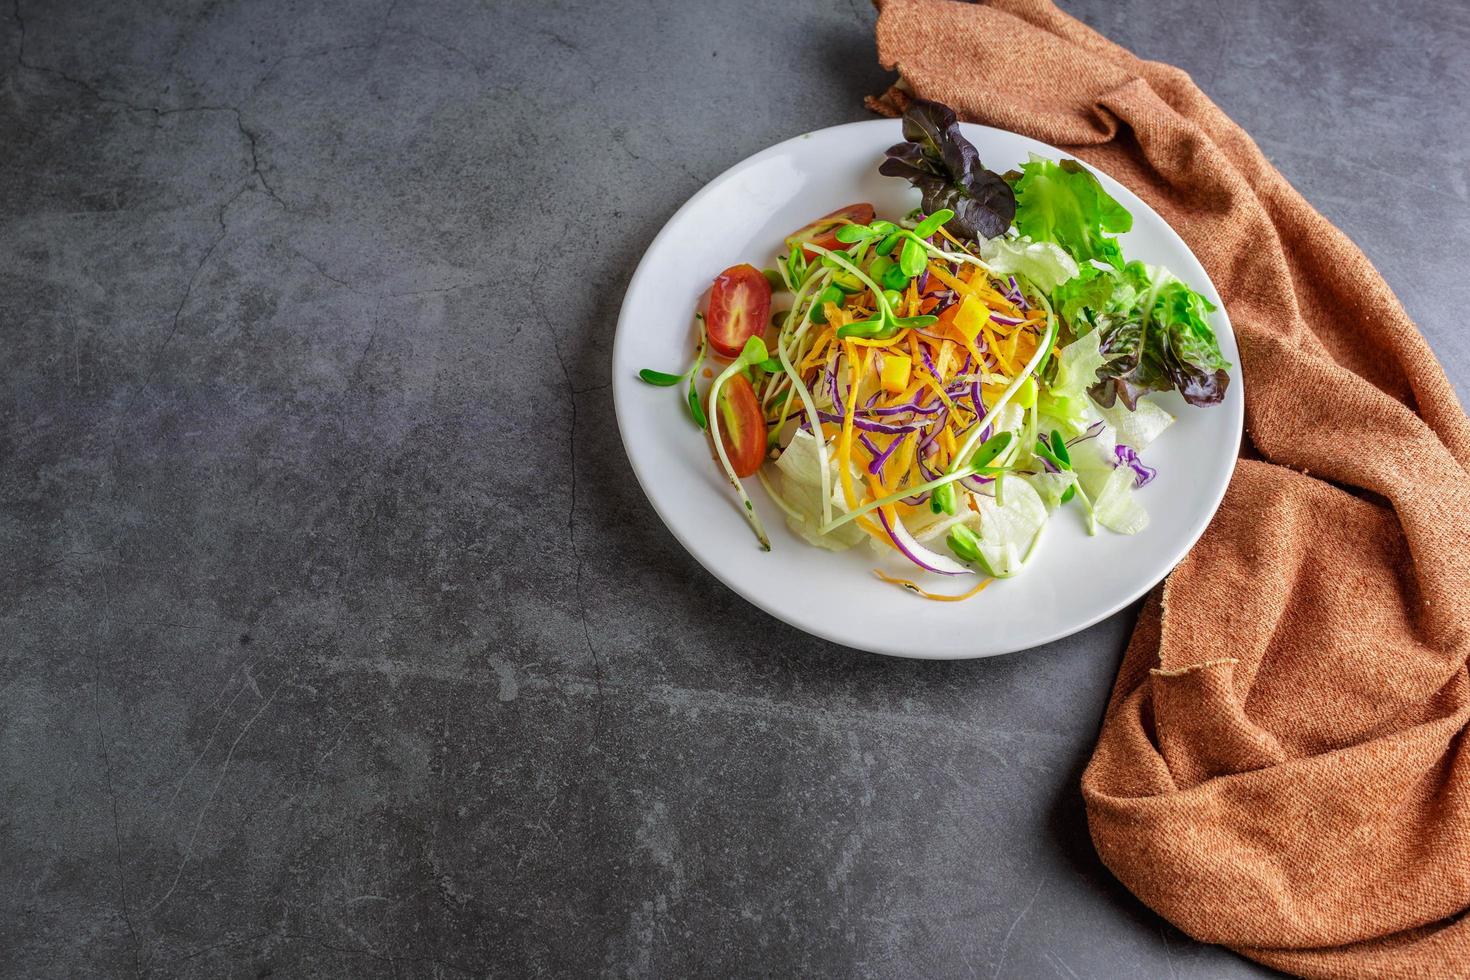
[939, 384]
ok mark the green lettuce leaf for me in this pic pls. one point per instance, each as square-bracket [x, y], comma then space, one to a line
[1045, 264]
[1163, 342]
[1062, 202]
[1009, 533]
[1139, 427]
[1064, 403]
[1115, 506]
[800, 469]
[1110, 487]
[1192, 357]
[1153, 330]
[1050, 486]
[1099, 292]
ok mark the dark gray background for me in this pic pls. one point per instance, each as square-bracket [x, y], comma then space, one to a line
[337, 636]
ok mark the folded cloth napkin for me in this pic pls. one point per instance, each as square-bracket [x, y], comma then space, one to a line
[1282, 767]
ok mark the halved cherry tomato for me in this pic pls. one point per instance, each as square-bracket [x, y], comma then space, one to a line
[823, 231]
[739, 308]
[742, 426]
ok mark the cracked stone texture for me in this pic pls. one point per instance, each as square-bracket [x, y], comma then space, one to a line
[338, 638]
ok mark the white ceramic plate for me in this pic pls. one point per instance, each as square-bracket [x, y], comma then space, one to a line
[1072, 581]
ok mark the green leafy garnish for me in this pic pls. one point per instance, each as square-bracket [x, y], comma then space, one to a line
[938, 160]
[944, 500]
[1153, 334]
[796, 268]
[991, 448]
[933, 223]
[911, 259]
[894, 276]
[964, 542]
[659, 378]
[1062, 202]
[696, 410]
[1059, 447]
[873, 328]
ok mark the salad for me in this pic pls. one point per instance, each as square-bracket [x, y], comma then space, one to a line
[940, 384]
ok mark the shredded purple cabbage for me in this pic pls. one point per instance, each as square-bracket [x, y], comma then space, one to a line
[833, 390]
[929, 444]
[1015, 295]
[880, 459]
[928, 362]
[1092, 432]
[1128, 456]
[882, 428]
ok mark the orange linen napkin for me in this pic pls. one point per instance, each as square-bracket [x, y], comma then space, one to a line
[1282, 767]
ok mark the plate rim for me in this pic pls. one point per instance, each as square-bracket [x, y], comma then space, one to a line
[621, 385]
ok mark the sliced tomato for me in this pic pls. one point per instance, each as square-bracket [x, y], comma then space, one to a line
[742, 426]
[823, 231]
[739, 308]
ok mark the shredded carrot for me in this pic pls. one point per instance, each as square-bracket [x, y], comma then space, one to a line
[1001, 359]
[866, 342]
[921, 373]
[818, 348]
[879, 490]
[957, 285]
[980, 284]
[938, 389]
[969, 346]
[914, 349]
[937, 597]
[844, 445]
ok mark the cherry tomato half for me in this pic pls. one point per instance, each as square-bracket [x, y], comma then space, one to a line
[742, 426]
[739, 308]
[823, 231]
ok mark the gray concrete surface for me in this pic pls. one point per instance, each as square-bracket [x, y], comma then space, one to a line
[337, 636]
